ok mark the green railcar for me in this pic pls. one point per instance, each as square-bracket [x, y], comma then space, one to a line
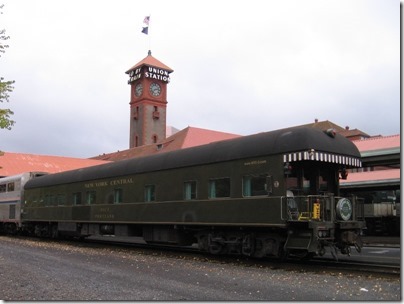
[268, 194]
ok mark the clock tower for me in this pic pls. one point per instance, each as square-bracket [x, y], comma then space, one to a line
[148, 81]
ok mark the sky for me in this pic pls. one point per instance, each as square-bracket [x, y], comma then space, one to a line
[240, 67]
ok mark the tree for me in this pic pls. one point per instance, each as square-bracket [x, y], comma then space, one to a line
[5, 87]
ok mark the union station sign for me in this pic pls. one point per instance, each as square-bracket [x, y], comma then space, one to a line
[149, 72]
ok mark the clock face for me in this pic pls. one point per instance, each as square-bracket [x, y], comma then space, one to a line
[155, 89]
[138, 89]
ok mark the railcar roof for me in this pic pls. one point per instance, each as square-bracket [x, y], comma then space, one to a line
[257, 145]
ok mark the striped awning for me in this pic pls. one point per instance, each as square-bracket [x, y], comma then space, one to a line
[323, 157]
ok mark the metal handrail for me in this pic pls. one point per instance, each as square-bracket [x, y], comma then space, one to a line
[318, 207]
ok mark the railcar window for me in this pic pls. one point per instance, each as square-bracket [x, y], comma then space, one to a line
[118, 196]
[292, 183]
[61, 199]
[328, 180]
[306, 186]
[77, 198]
[52, 200]
[255, 185]
[10, 187]
[3, 188]
[189, 190]
[90, 197]
[293, 178]
[323, 185]
[150, 193]
[219, 188]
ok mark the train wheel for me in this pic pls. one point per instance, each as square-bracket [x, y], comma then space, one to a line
[216, 248]
[321, 251]
[54, 232]
[346, 250]
[248, 245]
[216, 244]
[11, 229]
[203, 243]
[37, 231]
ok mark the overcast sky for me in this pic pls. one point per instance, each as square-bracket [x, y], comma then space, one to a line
[241, 67]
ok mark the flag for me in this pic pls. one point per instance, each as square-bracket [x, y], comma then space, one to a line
[145, 29]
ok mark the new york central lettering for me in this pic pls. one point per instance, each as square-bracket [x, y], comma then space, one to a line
[115, 182]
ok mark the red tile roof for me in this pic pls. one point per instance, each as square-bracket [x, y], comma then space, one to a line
[325, 125]
[378, 143]
[197, 137]
[149, 60]
[346, 132]
[186, 138]
[392, 175]
[16, 163]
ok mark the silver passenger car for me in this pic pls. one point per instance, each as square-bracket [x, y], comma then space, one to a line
[11, 196]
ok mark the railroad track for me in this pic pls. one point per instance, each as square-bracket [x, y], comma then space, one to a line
[315, 265]
[323, 263]
[356, 266]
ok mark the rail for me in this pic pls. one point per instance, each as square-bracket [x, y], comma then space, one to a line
[325, 208]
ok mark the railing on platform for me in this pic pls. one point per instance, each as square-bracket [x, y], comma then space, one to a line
[318, 208]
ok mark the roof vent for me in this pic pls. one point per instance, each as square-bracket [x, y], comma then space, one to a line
[330, 132]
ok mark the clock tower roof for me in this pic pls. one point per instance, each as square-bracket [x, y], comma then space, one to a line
[150, 61]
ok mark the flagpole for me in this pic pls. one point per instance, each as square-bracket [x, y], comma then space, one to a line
[146, 29]
[149, 34]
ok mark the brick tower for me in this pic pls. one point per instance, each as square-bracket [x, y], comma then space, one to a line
[148, 81]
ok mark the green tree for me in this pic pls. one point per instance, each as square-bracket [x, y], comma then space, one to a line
[6, 87]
